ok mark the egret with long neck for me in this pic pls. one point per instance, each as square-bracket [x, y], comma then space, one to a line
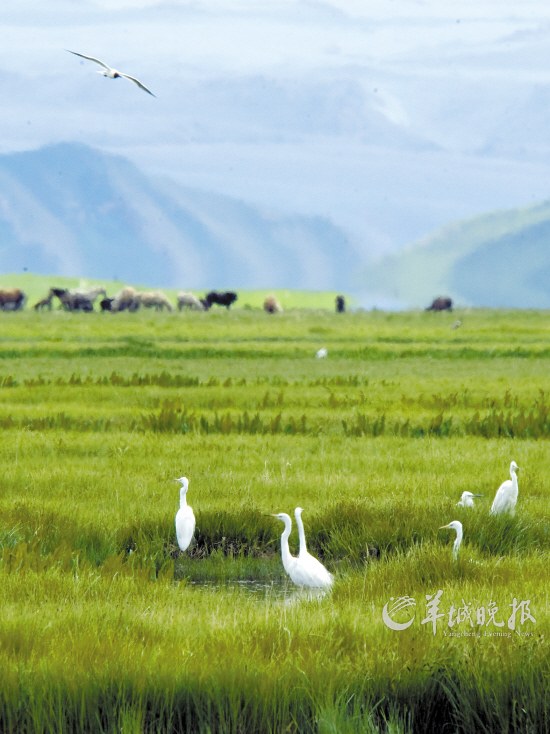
[185, 517]
[457, 526]
[318, 574]
[289, 561]
[304, 570]
[507, 494]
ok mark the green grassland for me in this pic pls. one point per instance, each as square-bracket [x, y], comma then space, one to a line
[105, 626]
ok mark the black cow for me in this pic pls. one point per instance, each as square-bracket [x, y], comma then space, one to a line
[340, 304]
[442, 303]
[223, 298]
[106, 304]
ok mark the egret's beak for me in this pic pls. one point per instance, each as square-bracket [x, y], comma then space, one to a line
[444, 527]
[478, 495]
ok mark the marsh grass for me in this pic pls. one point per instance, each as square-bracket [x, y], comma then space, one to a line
[106, 626]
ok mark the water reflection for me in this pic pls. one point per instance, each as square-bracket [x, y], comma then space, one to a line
[252, 587]
[303, 594]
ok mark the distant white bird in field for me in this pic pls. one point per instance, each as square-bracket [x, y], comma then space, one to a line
[457, 324]
[507, 494]
[185, 518]
[467, 499]
[322, 353]
[457, 526]
[111, 73]
[300, 569]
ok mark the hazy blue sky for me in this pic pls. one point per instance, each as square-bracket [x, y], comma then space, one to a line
[390, 117]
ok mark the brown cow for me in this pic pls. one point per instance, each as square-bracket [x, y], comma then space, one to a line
[12, 299]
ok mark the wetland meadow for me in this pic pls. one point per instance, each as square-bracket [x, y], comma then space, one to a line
[105, 626]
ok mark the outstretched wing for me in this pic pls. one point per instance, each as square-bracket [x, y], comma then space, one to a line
[90, 58]
[140, 84]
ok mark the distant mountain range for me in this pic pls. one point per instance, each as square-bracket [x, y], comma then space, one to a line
[69, 209]
[499, 260]
[72, 210]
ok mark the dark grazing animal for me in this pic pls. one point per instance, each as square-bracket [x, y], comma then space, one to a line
[73, 301]
[340, 304]
[44, 302]
[441, 303]
[106, 304]
[222, 298]
[90, 293]
[12, 299]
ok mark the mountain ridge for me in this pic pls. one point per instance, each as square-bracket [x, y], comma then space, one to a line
[499, 259]
[77, 211]
[72, 209]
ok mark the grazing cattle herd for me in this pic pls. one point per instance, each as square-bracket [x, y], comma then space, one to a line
[127, 299]
[131, 299]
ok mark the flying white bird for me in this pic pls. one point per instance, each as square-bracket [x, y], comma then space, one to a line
[467, 499]
[304, 570]
[455, 525]
[507, 494]
[185, 518]
[111, 73]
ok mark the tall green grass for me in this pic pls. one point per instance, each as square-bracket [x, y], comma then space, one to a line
[106, 626]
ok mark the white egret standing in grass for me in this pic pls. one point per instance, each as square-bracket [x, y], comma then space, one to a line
[507, 494]
[185, 517]
[318, 573]
[300, 569]
[457, 526]
[467, 499]
[111, 73]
